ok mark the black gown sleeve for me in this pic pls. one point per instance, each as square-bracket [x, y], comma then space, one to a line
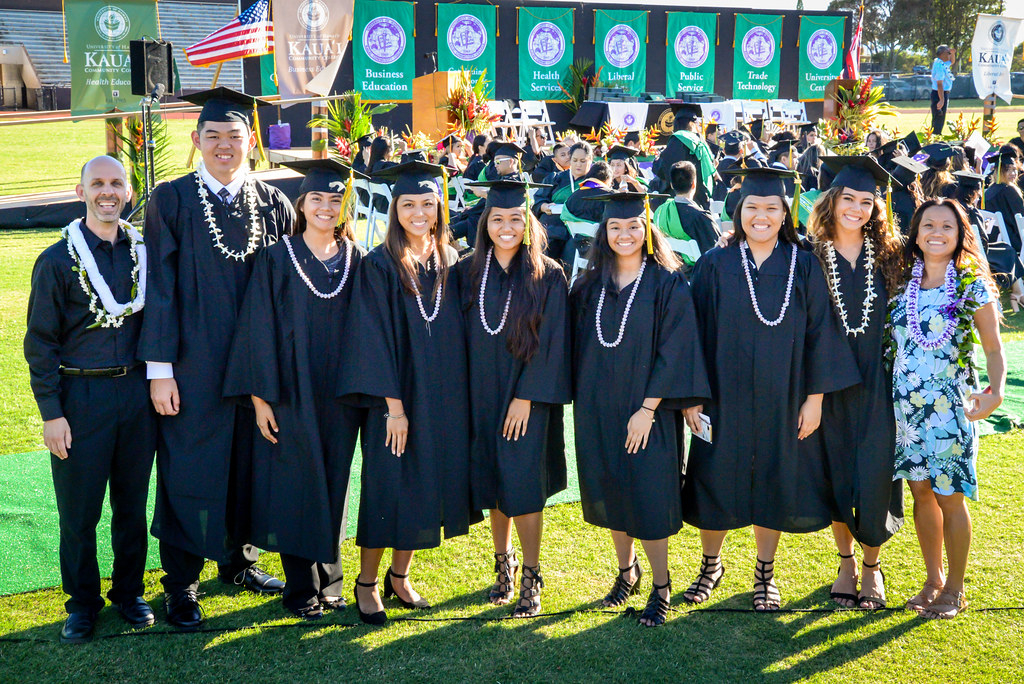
[42, 339]
[253, 364]
[678, 376]
[704, 291]
[829, 364]
[547, 377]
[159, 338]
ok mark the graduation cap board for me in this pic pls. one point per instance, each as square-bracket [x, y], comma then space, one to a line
[509, 194]
[222, 104]
[325, 175]
[417, 178]
[969, 179]
[912, 143]
[508, 149]
[859, 173]
[909, 164]
[621, 152]
[762, 181]
[627, 205]
[687, 111]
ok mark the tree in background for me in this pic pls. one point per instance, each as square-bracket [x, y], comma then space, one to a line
[888, 32]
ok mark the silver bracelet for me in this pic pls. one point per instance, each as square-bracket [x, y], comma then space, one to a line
[389, 416]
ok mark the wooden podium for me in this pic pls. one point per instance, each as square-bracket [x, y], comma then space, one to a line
[831, 106]
[429, 93]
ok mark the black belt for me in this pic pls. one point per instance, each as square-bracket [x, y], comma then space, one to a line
[112, 372]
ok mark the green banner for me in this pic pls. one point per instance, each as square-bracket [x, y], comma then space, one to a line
[383, 50]
[466, 37]
[620, 48]
[98, 34]
[757, 49]
[545, 51]
[821, 54]
[690, 52]
[268, 77]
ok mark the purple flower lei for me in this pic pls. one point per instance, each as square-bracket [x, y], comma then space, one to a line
[947, 311]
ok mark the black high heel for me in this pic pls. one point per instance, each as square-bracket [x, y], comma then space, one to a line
[706, 581]
[656, 611]
[622, 590]
[853, 598]
[880, 598]
[375, 619]
[529, 597]
[389, 591]
[505, 565]
[766, 594]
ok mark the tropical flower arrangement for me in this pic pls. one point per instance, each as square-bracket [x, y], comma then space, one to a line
[349, 119]
[610, 136]
[468, 104]
[579, 81]
[859, 108]
[418, 140]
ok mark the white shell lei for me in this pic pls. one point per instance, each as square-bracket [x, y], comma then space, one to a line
[309, 283]
[109, 312]
[753, 296]
[833, 284]
[255, 227]
[483, 286]
[437, 300]
[625, 314]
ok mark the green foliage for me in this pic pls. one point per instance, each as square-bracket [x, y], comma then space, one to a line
[347, 120]
[133, 143]
[580, 79]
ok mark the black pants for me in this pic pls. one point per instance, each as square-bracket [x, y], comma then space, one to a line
[182, 568]
[939, 115]
[307, 581]
[113, 433]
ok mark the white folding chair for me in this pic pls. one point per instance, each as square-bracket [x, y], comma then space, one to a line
[500, 108]
[377, 218]
[458, 203]
[716, 214]
[363, 206]
[534, 114]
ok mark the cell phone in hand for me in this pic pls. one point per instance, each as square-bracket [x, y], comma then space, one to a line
[705, 425]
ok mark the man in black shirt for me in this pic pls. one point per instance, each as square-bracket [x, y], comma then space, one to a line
[83, 328]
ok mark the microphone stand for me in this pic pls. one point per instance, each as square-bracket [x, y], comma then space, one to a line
[149, 173]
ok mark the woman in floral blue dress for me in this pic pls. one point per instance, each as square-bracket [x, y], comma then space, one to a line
[949, 295]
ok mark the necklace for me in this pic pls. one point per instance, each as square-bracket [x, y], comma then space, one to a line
[109, 312]
[218, 237]
[833, 283]
[625, 314]
[309, 283]
[483, 286]
[753, 296]
[437, 299]
[914, 316]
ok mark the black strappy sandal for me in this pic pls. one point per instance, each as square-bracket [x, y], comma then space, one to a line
[622, 589]
[880, 599]
[529, 597]
[657, 607]
[843, 595]
[389, 591]
[505, 565]
[706, 581]
[375, 619]
[766, 594]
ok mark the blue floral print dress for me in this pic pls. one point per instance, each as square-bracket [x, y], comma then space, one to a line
[934, 439]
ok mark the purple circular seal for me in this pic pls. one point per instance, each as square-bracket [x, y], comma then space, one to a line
[467, 38]
[629, 119]
[692, 46]
[759, 47]
[621, 46]
[546, 44]
[383, 40]
[822, 49]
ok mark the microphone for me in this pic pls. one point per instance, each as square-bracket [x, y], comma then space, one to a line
[158, 91]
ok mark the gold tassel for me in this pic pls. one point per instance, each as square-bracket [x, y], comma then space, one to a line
[259, 137]
[444, 194]
[983, 194]
[526, 219]
[796, 201]
[647, 216]
[888, 204]
[347, 195]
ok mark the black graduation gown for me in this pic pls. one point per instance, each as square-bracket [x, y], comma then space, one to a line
[722, 189]
[474, 166]
[554, 225]
[405, 501]
[676, 151]
[903, 207]
[582, 205]
[659, 356]
[193, 297]
[289, 345]
[1008, 202]
[858, 426]
[697, 223]
[516, 477]
[757, 471]
[544, 168]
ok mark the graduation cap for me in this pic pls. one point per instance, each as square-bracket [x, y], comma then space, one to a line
[762, 181]
[912, 143]
[627, 205]
[507, 148]
[806, 126]
[621, 152]
[412, 178]
[509, 194]
[969, 179]
[888, 150]
[732, 140]
[686, 111]
[935, 153]
[224, 104]
[414, 155]
[449, 140]
[325, 175]
[860, 173]
[782, 147]
[909, 164]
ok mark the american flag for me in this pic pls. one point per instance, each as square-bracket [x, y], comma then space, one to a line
[250, 34]
[853, 54]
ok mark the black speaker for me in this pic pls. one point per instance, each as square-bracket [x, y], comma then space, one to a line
[151, 66]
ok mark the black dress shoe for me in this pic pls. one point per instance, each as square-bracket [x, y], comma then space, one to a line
[310, 613]
[136, 612]
[256, 580]
[333, 602]
[78, 628]
[183, 610]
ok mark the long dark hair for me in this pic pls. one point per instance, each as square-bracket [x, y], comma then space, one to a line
[342, 230]
[380, 148]
[603, 258]
[397, 247]
[787, 232]
[526, 274]
[888, 242]
[967, 255]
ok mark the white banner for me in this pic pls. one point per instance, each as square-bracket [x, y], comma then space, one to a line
[995, 38]
[627, 116]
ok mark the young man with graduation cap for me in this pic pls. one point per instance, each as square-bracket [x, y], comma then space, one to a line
[202, 232]
[84, 316]
[861, 254]
[515, 300]
[637, 362]
[687, 144]
[291, 339]
[772, 348]
[505, 165]
[412, 376]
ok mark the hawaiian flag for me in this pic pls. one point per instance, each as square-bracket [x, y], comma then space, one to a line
[853, 54]
[250, 34]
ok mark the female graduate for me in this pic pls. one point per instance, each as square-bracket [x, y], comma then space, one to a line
[1004, 195]
[861, 256]
[411, 372]
[773, 348]
[515, 304]
[288, 348]
[637, 362]
[949, 298]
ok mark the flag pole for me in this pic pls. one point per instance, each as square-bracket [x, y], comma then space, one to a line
[213, 84]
